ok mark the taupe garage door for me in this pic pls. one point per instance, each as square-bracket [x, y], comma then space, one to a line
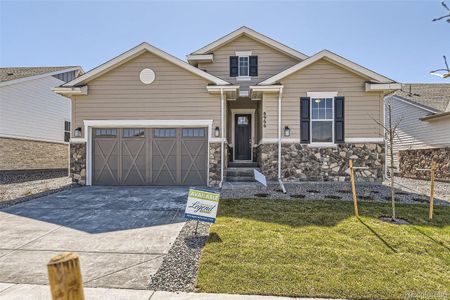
[150, 156]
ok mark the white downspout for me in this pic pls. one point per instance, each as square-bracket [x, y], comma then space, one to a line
[279, 141]
[222, 143]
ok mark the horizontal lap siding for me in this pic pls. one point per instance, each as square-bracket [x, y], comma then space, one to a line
[360, 107]
[119, 94]
[412, 133]
[270, 107]
[270, 61]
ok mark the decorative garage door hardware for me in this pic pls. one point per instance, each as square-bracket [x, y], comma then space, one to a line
[150, 158]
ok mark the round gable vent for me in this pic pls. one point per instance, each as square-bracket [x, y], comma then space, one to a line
[147, 76]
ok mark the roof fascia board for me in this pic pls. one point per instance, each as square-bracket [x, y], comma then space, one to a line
[333, 58]
[382, 87]
[436, 116]
[252, 34]
[266, 88]
[219, 88]
[134, 52]
[200, 58]
[71, 91]
[20, 80]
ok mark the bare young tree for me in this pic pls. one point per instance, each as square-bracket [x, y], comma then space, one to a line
[443, 73]
[391, 132]
[447, 16]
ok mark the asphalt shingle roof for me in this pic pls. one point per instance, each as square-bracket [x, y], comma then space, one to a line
[7, 74]
[430, 95]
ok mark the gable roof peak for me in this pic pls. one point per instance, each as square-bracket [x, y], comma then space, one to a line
[334, 58]
[244, 30]
[134, 52]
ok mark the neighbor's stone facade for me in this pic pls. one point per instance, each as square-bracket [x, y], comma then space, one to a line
[20, 154]
[304, 163]
[214, 163]
[78, 162]
[411, 160]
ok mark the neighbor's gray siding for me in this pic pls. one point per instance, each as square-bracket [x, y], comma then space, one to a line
[412, 133]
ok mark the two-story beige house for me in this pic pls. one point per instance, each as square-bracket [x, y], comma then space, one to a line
[243, 101]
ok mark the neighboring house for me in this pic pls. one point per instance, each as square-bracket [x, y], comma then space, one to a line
[146, 117]
[34, 121]
[423, 114]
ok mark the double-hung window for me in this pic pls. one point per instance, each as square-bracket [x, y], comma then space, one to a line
[243, 66]
[322, 120]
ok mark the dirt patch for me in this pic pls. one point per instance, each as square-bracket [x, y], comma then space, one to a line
[313, 191]
[333, 197]
[398, 221]
[344, 191]
[298, 196]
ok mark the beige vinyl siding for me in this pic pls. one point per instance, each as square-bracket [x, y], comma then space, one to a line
[176, 94]
[270, 107]
[322, 76]
[270, 61]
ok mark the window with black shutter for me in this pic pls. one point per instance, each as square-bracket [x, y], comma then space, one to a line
[66, 131]
[234, 66]
[253, 65]
[339, 136]
[304, 120]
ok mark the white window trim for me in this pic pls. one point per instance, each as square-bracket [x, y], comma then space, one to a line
[240, 54]
[321, 144]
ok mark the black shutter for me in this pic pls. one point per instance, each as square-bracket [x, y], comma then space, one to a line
[304, 120]
[253, 65]
[233, 66]
[339, 136]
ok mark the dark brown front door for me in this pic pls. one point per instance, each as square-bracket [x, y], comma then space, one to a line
[243, 136]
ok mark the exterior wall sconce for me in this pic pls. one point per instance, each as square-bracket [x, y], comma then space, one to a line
[287, 131]
[217, 131]
[77, 132]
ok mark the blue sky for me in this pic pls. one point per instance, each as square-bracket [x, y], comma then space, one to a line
[394, 38]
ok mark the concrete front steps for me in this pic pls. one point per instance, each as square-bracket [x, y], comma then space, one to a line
[241, 172]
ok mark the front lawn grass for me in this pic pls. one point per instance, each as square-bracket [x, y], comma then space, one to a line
[318, 249]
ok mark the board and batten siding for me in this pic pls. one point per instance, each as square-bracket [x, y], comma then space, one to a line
[270, 61]
[361, 108]
[176, 94]
[30, 110]
[414, 133]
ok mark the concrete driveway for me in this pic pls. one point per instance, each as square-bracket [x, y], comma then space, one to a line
[120, 233]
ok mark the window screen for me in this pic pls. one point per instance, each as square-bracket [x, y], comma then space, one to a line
[165, 132]
[133, 132]
[193, 132]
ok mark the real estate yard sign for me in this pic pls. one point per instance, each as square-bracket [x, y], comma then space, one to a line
[202, 205]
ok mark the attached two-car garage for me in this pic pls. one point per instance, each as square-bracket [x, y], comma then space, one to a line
[149, 156]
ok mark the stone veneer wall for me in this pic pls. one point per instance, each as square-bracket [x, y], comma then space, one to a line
[214, 163]
[410, 160]
[304, 163]
[78, 162]
[20, 154]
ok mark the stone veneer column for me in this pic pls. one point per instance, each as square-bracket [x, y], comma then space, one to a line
[411, 160]
[214, 163]
[305, 163]
[78, 162]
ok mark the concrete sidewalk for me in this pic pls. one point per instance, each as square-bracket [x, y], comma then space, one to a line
[10, 291]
